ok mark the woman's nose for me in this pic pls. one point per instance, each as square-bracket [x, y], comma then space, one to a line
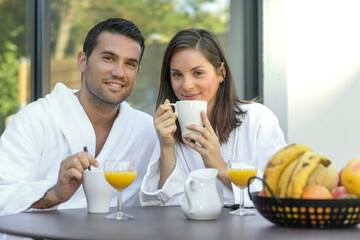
[188, 83]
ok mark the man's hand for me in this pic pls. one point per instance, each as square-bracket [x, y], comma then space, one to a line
[69, 180]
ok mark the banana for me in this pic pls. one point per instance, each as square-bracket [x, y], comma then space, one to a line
[279, 162]
[301, 172]
[284, 179]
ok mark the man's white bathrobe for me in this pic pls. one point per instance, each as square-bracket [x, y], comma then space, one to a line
[259, 137]
[51, 129]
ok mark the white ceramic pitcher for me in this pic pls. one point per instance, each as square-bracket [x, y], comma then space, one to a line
[202, 200]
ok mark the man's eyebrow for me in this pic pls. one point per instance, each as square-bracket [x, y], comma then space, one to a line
[133, 60]
[114, 54]
[108, 52]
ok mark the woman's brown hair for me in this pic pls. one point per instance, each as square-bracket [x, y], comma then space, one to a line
[226, 113]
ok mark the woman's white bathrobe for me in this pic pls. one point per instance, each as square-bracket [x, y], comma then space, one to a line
[259, 137]
[51, 129]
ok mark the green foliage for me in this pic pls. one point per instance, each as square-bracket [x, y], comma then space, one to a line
[8, 82]
[12, 25]
[154, 17]
[12, 48]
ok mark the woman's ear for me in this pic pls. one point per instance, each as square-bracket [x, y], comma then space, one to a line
[81, 59]
[222, 72]
[223, 69]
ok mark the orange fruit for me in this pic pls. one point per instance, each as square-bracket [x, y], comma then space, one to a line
[350, 177]
[316, 192]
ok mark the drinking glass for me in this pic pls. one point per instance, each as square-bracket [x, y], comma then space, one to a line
[239, 172]
[120, 174]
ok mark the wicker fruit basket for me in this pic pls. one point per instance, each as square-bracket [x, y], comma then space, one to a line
[305, 213]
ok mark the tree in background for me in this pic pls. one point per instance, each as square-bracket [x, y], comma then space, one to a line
[155, 18]
[8, 82]
[12, 48]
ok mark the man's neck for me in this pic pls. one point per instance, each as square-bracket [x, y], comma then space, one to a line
[101, 118]
[99, 114]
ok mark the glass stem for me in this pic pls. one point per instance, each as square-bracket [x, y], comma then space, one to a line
[241, 205]
[119, 207]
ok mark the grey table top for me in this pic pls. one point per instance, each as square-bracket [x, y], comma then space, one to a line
[157, 223]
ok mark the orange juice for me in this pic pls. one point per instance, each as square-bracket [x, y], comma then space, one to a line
[240, 177]
[120, 180]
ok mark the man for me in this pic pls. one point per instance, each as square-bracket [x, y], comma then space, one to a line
[41, 151]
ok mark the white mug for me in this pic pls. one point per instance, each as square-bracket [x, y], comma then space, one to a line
[189, 112]
[98, 191]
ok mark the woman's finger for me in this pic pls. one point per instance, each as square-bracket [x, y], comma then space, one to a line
[206, 122]
[203, 131]
[194, 146]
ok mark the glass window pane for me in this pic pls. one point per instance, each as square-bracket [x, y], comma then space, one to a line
[14, 59]
[158, 20]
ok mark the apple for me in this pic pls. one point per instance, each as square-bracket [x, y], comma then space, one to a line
[338, 191]
[340, 173]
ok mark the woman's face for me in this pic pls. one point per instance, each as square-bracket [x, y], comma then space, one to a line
[193, 77]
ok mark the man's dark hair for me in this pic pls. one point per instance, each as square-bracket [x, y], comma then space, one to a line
[113, 25]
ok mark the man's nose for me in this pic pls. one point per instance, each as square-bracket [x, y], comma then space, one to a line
[118, 70]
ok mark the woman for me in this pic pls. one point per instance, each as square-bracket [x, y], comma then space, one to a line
[195, 68]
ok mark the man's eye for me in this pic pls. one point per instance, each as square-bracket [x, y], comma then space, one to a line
[110, 58]
[132, 64]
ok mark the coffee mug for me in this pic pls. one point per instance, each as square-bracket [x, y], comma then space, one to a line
[98, 191]
[189, 112]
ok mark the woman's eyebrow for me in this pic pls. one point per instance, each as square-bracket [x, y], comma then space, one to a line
[194, 68]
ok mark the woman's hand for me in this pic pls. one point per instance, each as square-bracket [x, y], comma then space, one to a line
[209, 148]
[164, 122]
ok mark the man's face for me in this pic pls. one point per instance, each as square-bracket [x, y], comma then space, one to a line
[111, 70]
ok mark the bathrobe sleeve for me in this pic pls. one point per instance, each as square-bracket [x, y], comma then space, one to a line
[20, 156]
[171, 194]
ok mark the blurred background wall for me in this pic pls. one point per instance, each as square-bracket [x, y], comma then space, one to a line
[312, 73]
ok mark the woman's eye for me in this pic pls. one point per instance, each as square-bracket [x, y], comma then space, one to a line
[198, 73]
[176, 75]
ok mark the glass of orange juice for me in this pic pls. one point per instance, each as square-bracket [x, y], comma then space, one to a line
[239, 172]
[120, 174]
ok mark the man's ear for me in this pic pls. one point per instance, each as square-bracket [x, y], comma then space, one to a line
[81, 60]
[138, 71]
